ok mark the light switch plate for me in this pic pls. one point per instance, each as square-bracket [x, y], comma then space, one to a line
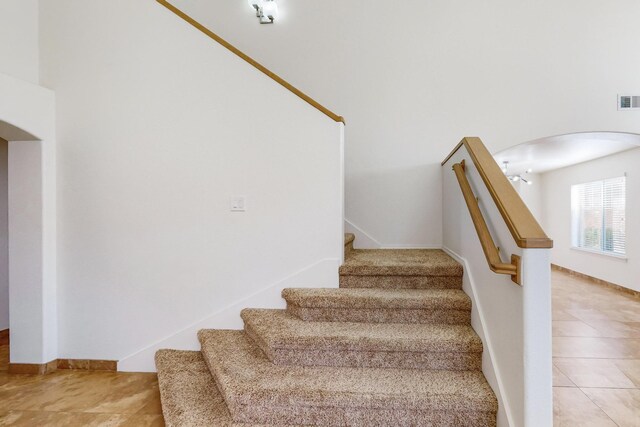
[238, 204]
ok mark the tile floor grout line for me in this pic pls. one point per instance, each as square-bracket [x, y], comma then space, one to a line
[603, 411]
[592, 324]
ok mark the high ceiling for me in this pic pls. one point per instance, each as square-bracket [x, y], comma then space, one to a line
[556, 152]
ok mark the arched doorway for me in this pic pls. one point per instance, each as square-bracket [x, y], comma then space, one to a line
[526, 163]
[584, 192]
[7, 132]
[28, 243]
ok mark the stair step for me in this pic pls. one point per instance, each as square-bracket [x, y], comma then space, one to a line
[288, 340]
[446, 306]
[188, 392]
[257, 391]
[400, 269]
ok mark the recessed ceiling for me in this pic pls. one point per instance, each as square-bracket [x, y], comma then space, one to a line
[546, 154]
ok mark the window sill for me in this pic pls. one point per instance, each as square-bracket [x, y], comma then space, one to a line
[602, 253]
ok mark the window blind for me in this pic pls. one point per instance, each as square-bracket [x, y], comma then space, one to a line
[614, 215]
[598, 215]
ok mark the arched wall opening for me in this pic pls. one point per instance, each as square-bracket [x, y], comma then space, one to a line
[22, 246]
[554, 165]
[28, 222]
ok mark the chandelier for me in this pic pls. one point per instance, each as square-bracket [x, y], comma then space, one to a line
[515, 177]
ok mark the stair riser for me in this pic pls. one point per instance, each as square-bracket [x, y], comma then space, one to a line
[381, 315]
[450, 361]
[372, 359]
[367, 417]
[401, 282]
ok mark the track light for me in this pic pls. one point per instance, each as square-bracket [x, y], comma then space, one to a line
[515, 178]
[266, 10]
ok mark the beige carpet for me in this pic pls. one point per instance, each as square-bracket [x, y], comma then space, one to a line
[258, 391]
[190, 397]
[189, 394]
[444, 306]
[288, 340]
[392, 347]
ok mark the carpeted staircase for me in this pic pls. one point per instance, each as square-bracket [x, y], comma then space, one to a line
[393, 346]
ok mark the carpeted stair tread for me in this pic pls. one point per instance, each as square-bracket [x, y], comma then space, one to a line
[188, 392]
[278, 329]
[256, 390]
[288, 340]
[400, 262]
[379, 305]
[358, 298]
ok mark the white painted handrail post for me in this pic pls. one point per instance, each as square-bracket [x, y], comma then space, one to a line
[536, 316]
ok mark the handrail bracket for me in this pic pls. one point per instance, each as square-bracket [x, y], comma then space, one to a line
[515, 261]
[491, 251]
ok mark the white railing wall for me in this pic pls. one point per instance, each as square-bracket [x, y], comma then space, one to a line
[513, 321]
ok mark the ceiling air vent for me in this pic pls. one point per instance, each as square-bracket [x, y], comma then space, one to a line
[628, 102]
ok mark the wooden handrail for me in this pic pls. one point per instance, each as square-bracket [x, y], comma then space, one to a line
[524, 228]
[491, 252]
[251, 61]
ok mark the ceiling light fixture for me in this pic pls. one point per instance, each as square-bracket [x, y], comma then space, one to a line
[266, 10]
[515, 178]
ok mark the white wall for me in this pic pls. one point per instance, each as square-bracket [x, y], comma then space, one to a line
[19, 39]
[531, 194]
[556, 201]
[514, 322]
[158, 127]
[4, 236]
[413, 77]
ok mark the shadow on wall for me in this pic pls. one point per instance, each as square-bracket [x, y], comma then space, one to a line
[415, 187]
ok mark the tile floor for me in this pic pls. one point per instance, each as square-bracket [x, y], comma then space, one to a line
[77, 398]
[596, 354]
[596, 373]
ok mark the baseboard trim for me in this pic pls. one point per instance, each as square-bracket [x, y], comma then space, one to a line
[33, 368]
[323, 273]
[402, 246]
[88, 365]
[363, 239]
[485, 336]
[597, 281]
[63, 364]
[4, 337]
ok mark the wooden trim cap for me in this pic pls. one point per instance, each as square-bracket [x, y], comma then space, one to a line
[524, 228]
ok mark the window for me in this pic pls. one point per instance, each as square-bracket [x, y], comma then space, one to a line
[598, 215]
